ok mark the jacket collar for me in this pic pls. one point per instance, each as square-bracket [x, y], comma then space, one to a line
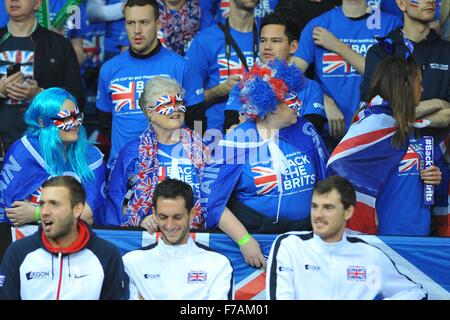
[84, 235]
[176, 251]
[325, 247]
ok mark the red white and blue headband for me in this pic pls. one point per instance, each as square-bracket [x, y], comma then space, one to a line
[165, 105]
[67, 120]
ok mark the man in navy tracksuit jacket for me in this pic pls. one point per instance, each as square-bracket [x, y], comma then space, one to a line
[64, 259]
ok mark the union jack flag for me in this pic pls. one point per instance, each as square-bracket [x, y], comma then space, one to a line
[365, 156]
[410, 161]
[17, 56]
[292, 101]
[332, 61]
[265, 179]
[225, 8]
[235, 68]
[92, 50]
[122, 96]
[35, 196]
[25, 58]
[196, 276]
[356, 273]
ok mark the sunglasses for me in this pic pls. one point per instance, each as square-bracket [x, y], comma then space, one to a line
[388, 45]
[165, 105]
[292, 101]
[67, 120]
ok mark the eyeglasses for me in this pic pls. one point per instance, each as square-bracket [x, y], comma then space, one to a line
[292, 101]
[165, 105]
[67, 120]
[388, 45]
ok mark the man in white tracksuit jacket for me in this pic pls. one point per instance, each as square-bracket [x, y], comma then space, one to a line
[328, 264]
[176, 267]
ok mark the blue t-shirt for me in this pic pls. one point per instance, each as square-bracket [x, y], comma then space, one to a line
[207, 54]
[116, 34]
[339, 79]
[400, 206]
[311, 96]
[121, 82]
[257, 185]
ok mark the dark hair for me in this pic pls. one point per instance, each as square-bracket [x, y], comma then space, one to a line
[141, 3]
[76, 190]
[341, 185]
[291, 29]
[393, 80]
[173, 188]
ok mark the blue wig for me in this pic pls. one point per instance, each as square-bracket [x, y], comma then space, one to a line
[45, 106]
[265, 86]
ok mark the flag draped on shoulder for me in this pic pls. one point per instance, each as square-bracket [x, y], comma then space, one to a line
[367, 158]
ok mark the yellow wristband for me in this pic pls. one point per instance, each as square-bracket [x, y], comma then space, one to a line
[37, 214]
[244, 239]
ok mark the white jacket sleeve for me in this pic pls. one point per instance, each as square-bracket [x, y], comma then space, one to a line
[395, 285]
[280, 273]
[99, 11]
[222, 287]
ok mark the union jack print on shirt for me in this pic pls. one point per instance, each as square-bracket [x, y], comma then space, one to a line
[196, 276]
[122, 96]
[356, 273]
[235, 68]
[265, 179]
[332, 61]
[411, 160]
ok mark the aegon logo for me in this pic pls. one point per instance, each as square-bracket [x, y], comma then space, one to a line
[37, 275]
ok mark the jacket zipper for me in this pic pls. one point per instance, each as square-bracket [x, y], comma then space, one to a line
[60, 275]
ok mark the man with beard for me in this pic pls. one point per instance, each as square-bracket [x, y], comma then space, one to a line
[327, 263]
[222, 53]
[176, 267]
[64, 259]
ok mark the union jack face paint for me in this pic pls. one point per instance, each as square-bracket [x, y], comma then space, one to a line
[292, 101]
[67, 120]
[165, 105]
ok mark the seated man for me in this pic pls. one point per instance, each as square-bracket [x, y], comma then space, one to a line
[299, 263]
[64, 259]
[176, 267]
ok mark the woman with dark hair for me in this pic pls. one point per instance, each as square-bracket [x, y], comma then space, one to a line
[54, 144]
[383, 155]
[263, 171]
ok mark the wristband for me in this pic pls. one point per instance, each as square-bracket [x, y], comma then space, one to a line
[244, 239]
[37, 214]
